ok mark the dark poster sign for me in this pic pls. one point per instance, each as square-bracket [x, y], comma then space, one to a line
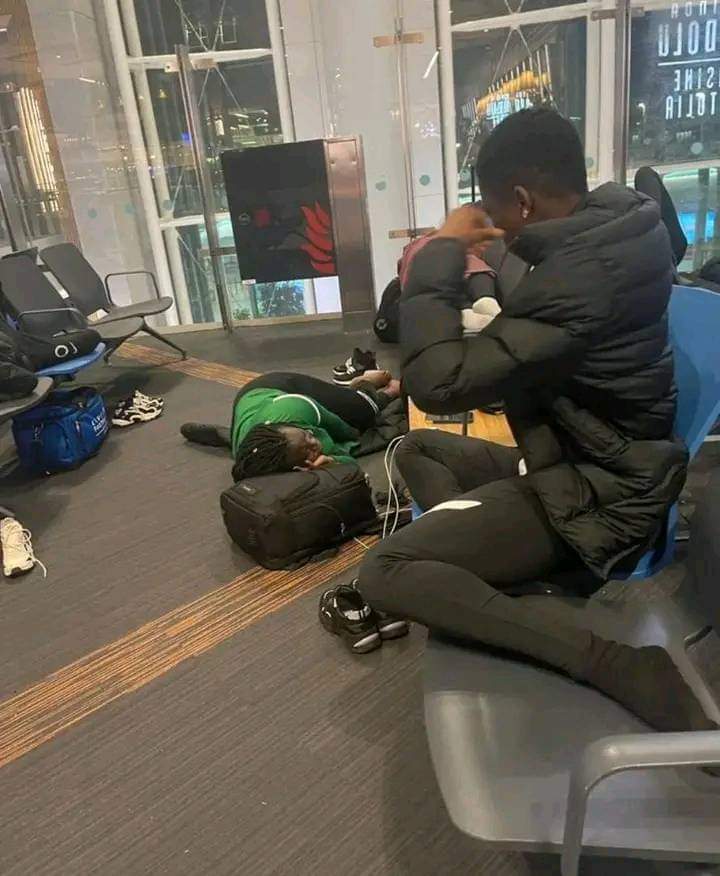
[675, 83]
[280, 210]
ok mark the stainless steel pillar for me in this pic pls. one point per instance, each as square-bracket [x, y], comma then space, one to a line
[623, 32]
[207, 195]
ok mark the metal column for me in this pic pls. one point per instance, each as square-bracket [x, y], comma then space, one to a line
[282, 83]
[137, 143]
[404, 126]
[443, 26]
[207, 196]
[623, 25]
[147, 114]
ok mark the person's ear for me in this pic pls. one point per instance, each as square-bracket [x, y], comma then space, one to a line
[524, 200]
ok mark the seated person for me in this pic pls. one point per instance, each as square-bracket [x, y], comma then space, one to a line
[483, 294]
[283, 421]
[580, 355]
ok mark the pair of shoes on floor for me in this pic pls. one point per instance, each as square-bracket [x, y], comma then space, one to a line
[355, 366]
[138, 408]
[343, 612]
[18, 556]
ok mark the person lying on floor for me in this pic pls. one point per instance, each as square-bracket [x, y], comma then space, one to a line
[283, 421]
[580, 354]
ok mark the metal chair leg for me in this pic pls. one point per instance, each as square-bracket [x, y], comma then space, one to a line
[165, 340]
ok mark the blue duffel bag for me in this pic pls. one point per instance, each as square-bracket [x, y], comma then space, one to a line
[62, 432]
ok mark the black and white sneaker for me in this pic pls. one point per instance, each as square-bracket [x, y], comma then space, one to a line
[139, 408]
[343, 612]
[388, 626]
[360, 362]
[391, 627]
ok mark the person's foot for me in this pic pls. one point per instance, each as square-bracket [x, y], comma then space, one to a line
[646, 682]
[207, 434]
[355, 366]
[378, 379]
[17, 550]
[343, 612]
[392, 390]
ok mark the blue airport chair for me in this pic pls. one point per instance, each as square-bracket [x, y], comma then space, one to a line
[694, 320]
[529, 761]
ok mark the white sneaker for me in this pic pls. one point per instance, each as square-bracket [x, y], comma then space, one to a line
[17, 550]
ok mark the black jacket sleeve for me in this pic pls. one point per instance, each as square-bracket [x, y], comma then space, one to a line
[446, 373]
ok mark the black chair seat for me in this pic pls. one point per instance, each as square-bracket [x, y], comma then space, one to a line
[9, 409]
[118, 330]
[140, 309]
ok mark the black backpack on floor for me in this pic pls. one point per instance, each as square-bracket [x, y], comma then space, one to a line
[387, 319]
[284, 520]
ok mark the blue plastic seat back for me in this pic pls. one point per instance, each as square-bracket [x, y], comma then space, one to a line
[694, 323]
[70, 367]
[694, 333]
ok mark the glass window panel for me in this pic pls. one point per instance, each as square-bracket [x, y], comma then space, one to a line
[5, 244]
[31, 165]
[203, 25]
[247, 300]
[239, 110]
[475, 10]
[500, 71]
[696, 196]
[674, 94]
[175, 160]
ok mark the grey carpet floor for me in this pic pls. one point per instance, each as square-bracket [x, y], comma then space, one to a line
[274, 753]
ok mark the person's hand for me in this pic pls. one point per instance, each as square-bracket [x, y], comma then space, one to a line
[321, 461]
[472, 227]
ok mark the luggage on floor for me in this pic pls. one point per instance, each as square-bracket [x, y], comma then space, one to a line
[387, 319]
[62, 432]
[283, 520]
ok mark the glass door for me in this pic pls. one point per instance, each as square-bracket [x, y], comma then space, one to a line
[240, 101]
[35, 210]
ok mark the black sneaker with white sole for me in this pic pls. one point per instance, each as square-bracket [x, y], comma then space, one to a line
[391, 627]
[343, 612]
[360, 362]
[388, 626]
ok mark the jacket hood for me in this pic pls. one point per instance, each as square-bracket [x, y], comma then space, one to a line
[606, 213]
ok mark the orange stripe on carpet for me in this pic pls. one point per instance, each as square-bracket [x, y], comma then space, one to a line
[225, 374]
[74, 692]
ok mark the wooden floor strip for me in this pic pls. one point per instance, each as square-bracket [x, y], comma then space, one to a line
[214, 371]
[74, 692]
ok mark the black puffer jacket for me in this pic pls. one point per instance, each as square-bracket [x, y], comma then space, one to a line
[580, 355]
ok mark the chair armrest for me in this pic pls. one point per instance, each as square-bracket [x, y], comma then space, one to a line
[130, 274]
[614, 754]
[73, 312]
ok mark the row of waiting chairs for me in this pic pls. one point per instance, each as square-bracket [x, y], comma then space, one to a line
[34, 304]
[529, 761]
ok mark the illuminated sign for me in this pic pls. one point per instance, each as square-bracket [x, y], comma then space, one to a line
[688, 49]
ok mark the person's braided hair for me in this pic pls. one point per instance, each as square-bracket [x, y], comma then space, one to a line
[263, 451]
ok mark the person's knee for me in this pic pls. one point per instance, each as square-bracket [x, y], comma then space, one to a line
[412, 446]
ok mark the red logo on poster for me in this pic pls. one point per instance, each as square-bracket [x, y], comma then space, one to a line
[319, 241]
[262, 218]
